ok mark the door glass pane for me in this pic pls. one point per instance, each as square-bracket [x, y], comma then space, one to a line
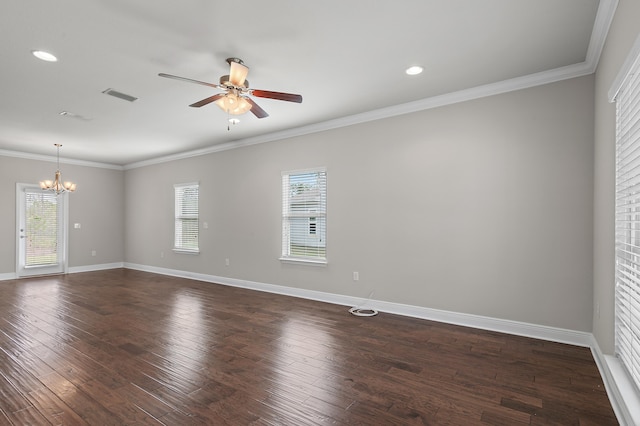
[41, 230]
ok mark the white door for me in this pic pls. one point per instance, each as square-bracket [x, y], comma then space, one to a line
[42, 231]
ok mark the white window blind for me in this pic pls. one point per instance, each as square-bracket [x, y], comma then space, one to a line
[627, 223]
[304, 215]
[186, 214]
[41, 228]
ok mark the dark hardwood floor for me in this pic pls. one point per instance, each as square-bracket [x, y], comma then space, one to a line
[127, 347]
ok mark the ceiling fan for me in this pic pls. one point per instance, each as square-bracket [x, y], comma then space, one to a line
[235, 98]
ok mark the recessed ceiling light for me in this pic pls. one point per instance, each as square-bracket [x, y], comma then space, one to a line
[414, 70]
[45, 56]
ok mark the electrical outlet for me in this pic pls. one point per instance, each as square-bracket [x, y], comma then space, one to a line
[226, 262]
[356, 276]
[93, 253]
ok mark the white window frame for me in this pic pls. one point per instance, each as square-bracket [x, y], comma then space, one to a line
[180, 216]
[625, 92]
[318, 215]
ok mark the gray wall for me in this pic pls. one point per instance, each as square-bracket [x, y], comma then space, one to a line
[620, 39]
[97, 205]
[483, 207]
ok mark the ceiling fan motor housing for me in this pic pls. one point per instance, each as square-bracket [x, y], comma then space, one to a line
[225, 80]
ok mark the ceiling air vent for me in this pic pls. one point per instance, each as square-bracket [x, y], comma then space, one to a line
[74, 115]
[120, 95]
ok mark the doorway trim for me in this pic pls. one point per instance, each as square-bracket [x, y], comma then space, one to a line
[62, 266]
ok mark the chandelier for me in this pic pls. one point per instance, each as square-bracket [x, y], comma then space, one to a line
[57, 185]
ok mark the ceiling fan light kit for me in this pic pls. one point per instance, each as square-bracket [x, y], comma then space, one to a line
[235, 99]
[233, 104]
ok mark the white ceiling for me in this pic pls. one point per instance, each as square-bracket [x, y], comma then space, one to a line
[346, 58]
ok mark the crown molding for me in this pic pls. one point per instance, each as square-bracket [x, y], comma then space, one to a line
[53, 159]
[514, 84]
[625, 71]
[601, 25]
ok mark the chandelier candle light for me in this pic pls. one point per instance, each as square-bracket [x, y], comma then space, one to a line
[57, 185]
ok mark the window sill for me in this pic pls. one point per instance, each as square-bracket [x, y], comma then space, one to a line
[183, 251]
[625, 389]
[318, 262]
[44, 265]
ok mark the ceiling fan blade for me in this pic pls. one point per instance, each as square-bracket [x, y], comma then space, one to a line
[290, 97]
[238, 73]
[189, 80]
[207, 101]
[256, 110]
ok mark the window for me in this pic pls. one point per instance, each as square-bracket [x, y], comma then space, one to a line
[186, 214]
[304, 216]
[41, 230]
[627, 219]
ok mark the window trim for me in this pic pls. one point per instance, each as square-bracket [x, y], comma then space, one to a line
[628, 383]
[310, 260]
[183, 250]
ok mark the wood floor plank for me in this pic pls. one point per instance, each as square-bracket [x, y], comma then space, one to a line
[130, 347]
[27, 416]
[11, 399]
[89, 409]
[4, 418]
[53, 408]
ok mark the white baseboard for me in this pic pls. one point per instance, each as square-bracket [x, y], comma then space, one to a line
[553, 334]
[100, 267]
[578, 338]
[9, 276]
[72, 270]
